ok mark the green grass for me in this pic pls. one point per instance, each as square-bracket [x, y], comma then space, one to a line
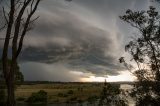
[59, 92]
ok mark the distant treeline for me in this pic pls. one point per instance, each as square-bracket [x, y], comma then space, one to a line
[59, 82]
[53, 82]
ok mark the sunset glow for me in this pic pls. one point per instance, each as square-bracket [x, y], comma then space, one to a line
[124, 76]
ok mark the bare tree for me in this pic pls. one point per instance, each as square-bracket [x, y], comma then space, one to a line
[18, 20]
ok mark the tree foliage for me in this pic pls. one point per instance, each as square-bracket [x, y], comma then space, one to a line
[111, 96]
[145, 52]
[19, 78]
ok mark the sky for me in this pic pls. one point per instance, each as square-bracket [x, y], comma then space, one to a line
[80, 40]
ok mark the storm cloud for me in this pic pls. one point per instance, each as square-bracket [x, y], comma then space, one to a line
[84, 36]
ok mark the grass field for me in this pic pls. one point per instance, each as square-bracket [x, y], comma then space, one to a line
[65, 92]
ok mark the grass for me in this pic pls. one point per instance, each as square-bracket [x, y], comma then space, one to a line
[59, 93]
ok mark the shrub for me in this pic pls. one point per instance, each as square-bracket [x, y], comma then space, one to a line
[73, 98]
[80, 102]
[39, 97]
[20, 99]
[70, 92]
[62, 95]
[92, 99]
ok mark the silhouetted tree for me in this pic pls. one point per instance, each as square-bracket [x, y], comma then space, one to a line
[19, 78]
[18, 20]
[111, 96]
[145, 52]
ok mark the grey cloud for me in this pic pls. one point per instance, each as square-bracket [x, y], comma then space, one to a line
[84, 35]
[59, 72]
[80, 44]
[49, 72]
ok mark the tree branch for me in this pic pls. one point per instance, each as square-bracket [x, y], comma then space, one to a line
[5, 17]
[17, 28]
[7, 39]
[26, 27]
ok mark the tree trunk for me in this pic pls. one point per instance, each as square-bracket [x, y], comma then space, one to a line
[11, 94]
[10, 88]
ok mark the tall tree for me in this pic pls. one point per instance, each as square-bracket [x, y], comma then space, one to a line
[111, 95]
[19, 78]
[145, 52]
[18, 20]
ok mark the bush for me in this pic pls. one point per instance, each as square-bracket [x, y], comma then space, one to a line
[39, 97]
[70, 92]
[62, 95]
[73, 98]
[20, 99]
[92, 99]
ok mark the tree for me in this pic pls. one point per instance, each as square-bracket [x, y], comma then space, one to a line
[19, 78]
[18, 20]
[145, 52]
[111, 95]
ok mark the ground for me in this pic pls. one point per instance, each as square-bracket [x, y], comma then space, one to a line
[62, 92]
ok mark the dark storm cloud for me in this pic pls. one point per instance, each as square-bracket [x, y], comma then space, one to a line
[54, 72]
[62, 36]
[79, 36]
[59, 72]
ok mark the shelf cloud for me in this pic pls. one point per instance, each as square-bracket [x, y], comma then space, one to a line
[82, 36]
